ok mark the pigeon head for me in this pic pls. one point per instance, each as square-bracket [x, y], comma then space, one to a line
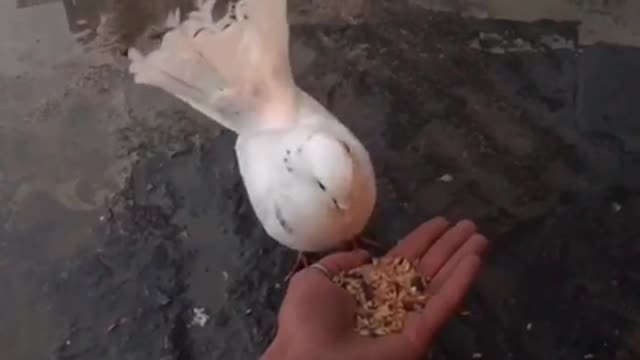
[329, 165]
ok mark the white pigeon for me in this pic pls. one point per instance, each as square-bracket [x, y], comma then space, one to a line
[309, 179]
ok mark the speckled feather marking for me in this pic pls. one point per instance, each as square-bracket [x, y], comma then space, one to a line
[281, 220]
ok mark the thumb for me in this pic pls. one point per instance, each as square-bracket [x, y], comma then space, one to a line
[343, 261]
[332, 265]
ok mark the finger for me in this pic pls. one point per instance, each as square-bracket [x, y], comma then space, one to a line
[477, 245]
[443, 305]
[445, 247]
[414, 245]
[339, 262]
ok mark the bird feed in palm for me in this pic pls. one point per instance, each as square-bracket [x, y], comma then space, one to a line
[385, 291]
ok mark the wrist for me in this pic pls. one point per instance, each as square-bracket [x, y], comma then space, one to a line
[292, 348]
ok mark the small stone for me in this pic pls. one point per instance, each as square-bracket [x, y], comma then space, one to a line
[616, 207]
[161, 298]
[447, 178]
[184, 235]
[477, 356]
[200, 317]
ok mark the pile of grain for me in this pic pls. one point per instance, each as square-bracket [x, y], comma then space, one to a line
[385, 292]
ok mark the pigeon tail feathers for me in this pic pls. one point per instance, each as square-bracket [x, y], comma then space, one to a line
[236, 70]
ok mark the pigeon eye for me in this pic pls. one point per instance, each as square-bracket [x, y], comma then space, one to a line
[197, 32]
[321, 185]
[346, 147]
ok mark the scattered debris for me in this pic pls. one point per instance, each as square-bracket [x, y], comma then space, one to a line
[107, 217]
[200, 317]
[477, 356]
[116, 324]
[502, 44]
[465, 313]
[225, 276]
[385, 292]
[555, 42]
[589, 356]
[446, 178]
[529, 326]
[184, 235]
[616, 207]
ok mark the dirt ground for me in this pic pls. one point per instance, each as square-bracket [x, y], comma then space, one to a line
[537, 136]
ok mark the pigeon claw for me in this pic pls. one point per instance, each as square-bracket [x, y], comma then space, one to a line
[302, 262]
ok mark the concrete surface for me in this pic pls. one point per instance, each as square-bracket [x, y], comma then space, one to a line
[125, 221]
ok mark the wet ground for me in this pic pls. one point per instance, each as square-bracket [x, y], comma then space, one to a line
[126, 233]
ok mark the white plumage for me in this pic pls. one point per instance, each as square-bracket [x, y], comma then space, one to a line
[308, 178]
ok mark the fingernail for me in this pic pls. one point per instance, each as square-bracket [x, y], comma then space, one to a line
[466, 223]
[479, 237]
[482, 240]
[441, 219]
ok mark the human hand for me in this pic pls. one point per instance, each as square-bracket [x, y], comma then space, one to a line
[317, 317]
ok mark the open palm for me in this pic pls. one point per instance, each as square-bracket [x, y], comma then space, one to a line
[317, 316]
